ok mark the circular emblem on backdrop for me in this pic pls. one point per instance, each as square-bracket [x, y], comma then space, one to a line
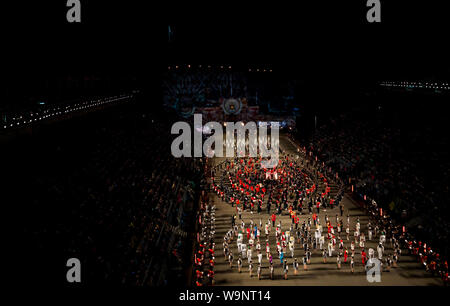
[232, 106]
[184, 107]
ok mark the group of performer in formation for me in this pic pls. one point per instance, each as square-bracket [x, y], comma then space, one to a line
[295, 187]
[252, 240]
[204, 259]
[308, 193]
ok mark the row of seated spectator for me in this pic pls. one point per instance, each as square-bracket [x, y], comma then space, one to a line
[384, 163]
[119, 201]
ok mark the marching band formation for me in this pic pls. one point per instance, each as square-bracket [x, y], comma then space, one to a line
[300, 188]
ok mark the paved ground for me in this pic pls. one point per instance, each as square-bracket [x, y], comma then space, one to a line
[408, 273]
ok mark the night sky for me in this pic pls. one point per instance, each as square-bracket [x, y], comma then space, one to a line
[316, 42]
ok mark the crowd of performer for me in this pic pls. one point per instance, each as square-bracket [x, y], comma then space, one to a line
[303, 187]
[204, 259]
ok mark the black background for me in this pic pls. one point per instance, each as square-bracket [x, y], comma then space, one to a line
[325, 44]
[319, 42]
[313, 39]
